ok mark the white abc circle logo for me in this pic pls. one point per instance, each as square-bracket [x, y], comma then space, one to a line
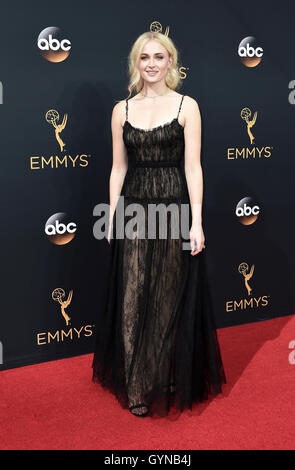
[247, 211]
[52, 44]
[249, 52]
[59, 229]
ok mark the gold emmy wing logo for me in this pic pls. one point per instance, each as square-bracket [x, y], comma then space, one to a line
[58, 295]
[52, 116]
[249, 151]
[249, 301]
[245, 115]
[243, 269]
[68, 334]
[156, 27]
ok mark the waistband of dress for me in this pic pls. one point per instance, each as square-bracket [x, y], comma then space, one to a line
[155, 164]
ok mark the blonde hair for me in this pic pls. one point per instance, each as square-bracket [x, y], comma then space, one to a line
[172, 78]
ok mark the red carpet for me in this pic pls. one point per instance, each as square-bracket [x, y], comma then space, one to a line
[55, 405]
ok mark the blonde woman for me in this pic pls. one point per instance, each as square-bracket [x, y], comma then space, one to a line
[156, 347]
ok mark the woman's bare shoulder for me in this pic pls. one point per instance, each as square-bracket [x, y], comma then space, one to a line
[191, 110]
[119, 112]
[190, 101]
[119, 106]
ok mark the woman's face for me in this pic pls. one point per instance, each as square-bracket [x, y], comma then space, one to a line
[154, 61]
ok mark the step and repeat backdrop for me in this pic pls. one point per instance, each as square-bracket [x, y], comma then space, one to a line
[63, 68]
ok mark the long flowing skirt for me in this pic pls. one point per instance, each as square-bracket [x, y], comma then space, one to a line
[156, 341]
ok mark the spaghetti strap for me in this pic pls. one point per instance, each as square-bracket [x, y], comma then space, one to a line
[127, 109]
[180, 106]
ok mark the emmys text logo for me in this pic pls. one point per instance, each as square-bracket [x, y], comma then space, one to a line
[249, 52]
[52, 44]
[65, 334]
[249, 301]
[64, 159]
[60, 229]
[247, 211]
[252, 152]
[158, 28]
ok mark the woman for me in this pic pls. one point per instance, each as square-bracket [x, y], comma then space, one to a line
[156, 345]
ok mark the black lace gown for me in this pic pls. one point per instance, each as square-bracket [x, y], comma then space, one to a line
[156, 342]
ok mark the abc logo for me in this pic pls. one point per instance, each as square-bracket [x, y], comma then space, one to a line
[249, 52]
[53, 46]
[247, 211]
[59, 229]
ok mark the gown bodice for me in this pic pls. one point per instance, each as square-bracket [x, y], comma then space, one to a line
[155, 157]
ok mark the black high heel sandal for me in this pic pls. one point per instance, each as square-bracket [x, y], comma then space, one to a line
[141, 406]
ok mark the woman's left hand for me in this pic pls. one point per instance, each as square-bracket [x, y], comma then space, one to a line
[197, 239]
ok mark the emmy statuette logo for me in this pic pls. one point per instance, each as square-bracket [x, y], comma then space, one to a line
[68, 333]
[245, 115]
[58, 295]
[64, 159]
[253, 152]
[52, 117]
[243, 269]
[157, 28]
[250, 302]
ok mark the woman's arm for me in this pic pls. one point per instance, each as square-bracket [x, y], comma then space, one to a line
[193, 169]
[120, 159]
